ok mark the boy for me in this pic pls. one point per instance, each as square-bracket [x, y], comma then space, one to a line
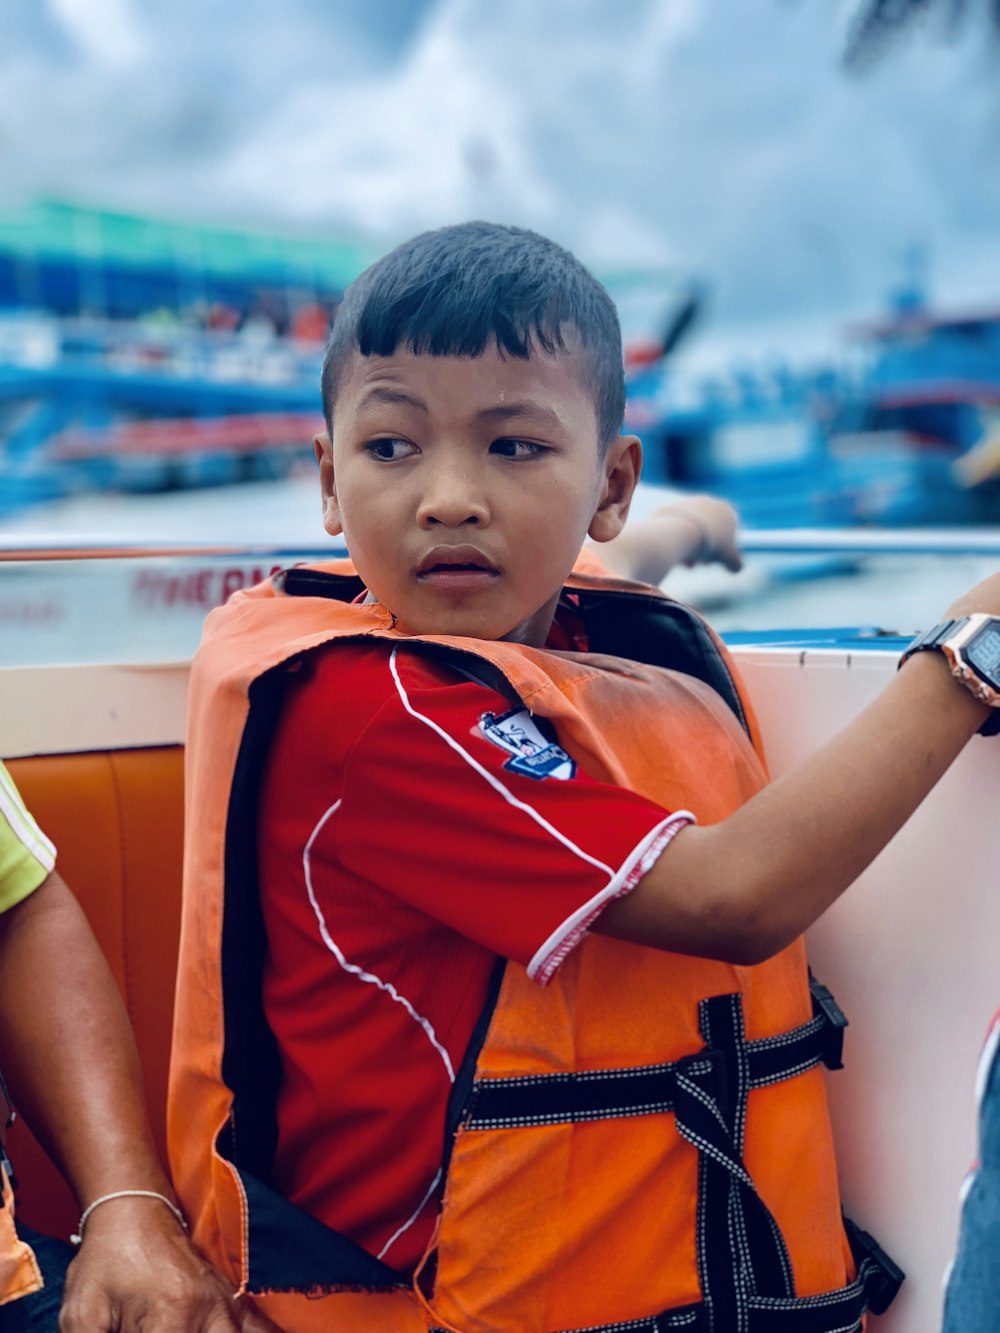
[493, 1010]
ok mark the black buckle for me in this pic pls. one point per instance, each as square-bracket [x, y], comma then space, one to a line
[836, 1020]
[882, 1284]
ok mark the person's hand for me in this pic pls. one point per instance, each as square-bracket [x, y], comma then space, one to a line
[692, 530]
[713, 525]
[137, 1270]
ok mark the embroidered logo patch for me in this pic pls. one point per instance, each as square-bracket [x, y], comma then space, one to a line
[532, 755]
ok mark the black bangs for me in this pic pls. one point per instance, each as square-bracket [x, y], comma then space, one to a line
[462, 315]
[463, 290]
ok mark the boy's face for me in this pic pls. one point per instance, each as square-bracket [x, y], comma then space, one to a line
[464, 486]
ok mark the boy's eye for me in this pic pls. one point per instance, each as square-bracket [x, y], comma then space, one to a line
[513, 448]
[389, 450]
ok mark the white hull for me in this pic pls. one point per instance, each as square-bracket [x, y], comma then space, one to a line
[910, 952]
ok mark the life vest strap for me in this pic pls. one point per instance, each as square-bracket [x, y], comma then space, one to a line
[839, 1311]
[820, 1041]
[707, 1093]
[600, 1094]
[609, 1094]
[686, 1318]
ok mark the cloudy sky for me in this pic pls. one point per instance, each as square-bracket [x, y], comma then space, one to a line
[719, 137]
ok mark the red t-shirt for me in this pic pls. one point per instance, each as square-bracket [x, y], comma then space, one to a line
[413, 826]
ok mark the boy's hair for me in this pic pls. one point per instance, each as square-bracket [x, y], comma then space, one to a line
[455, 291]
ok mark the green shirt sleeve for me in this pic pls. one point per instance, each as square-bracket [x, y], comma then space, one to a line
[26, 854]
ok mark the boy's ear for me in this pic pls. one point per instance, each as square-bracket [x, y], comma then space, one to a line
[328, 484]
[621, 467]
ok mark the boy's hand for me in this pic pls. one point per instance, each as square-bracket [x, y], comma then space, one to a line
[694, 530]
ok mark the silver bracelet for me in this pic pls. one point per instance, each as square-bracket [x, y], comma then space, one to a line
[77, 1237]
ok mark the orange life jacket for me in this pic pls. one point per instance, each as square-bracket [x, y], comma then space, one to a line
[642, 1145]
[19, 1272]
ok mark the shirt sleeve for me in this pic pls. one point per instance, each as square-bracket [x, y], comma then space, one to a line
[463, 807]
[26, 854]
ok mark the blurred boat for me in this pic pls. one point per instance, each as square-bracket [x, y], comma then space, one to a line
[147, 354]
[931, 390]
[905, 433]
[97, 405]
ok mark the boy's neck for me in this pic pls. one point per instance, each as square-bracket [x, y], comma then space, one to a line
[533, 633]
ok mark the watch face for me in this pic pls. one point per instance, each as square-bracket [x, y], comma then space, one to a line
[982, 653]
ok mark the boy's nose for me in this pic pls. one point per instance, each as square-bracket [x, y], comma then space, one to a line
[451, 500]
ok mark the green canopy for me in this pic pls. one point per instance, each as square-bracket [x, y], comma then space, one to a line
[50, 229]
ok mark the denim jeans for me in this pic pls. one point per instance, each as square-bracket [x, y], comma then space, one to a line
[39, 1312]
[972, 1300]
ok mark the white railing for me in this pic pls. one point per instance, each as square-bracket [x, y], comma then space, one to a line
[980, 542]
[872, 541]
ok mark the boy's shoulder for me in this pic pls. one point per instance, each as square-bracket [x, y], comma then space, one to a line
[374, 699]
[348, 683]
[373, 669]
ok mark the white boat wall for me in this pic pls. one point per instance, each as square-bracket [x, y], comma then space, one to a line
[910, 951]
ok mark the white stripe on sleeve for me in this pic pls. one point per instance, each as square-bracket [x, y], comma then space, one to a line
[567, 935]
[22, 825]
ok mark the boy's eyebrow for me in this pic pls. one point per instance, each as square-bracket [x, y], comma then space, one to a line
[526, 411]
[382, 394]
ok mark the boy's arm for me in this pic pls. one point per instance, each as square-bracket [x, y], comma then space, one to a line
[743, 889]
[691, 530]
[68, 1052]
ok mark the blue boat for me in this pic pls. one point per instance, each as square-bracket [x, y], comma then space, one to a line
[145, 356]
[908, 436]
[138, 354]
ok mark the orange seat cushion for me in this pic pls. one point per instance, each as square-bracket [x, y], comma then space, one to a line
[116, 818]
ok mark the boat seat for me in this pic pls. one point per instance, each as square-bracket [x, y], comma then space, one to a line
[116, 818]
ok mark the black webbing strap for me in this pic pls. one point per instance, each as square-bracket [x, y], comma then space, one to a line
[603, 1094]
[686, 1318]
[741, 1251]
[745, 1269]
[820, 1041]
[301, 581]
[839, 1311]
[609, 1094]
[743, 1262]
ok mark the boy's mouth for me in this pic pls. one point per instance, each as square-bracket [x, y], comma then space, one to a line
[457, 567]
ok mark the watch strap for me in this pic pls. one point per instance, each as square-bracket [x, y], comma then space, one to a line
[933, 639]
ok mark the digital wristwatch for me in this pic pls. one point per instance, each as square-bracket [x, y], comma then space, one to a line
[971, 646]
